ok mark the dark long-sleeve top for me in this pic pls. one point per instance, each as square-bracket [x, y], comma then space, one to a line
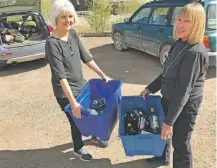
[65, 58]
[182, 78]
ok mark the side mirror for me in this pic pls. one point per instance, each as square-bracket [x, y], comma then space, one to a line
[126, 20]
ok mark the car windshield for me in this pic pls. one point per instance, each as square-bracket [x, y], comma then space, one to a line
[4, 3]
[211, 16]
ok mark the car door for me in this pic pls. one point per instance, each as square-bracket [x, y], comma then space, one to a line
[133, 30]
[156, 30]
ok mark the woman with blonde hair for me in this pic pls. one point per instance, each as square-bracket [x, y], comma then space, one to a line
[64, 52]
[181, 84]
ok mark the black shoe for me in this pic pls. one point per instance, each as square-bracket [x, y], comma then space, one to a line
[83, 154]
[158, 160]
[96, 141]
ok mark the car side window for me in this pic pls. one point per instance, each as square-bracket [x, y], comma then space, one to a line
[211, 16]
[175, 12]
[142, 16]
[159, 16]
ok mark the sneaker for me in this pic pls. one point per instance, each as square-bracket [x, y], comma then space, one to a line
[96, 141]
[83, 154]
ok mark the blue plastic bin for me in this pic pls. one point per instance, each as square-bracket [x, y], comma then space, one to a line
[101, 125]
[141, 144]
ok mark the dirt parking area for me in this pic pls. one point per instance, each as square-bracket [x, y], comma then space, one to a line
[34, 133]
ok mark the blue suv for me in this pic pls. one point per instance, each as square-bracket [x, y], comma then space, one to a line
[150, 28]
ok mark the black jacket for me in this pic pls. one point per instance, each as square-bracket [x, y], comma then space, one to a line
[183, 77]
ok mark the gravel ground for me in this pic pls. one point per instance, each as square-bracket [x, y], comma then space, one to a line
[34, 133]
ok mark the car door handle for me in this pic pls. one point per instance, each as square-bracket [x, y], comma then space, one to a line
[161, 29]
[139, 28]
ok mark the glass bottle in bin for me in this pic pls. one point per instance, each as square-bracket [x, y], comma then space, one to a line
[154, 122]
[99, 104]
[142, 121]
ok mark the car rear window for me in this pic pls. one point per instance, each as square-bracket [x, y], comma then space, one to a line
[211, 16]
[19, 18]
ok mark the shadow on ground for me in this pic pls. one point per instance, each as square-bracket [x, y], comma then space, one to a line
[23, 67]
[60, 157]
[211, 73]
[130, 66]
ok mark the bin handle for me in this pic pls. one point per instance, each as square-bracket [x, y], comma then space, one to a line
[105, 80]
[84, 112]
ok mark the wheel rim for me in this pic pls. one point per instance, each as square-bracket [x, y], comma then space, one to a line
[118, 42]
[165, 56]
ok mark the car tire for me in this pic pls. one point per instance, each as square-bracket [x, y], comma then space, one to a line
[2, 66]
[118, 42]
[164, 53]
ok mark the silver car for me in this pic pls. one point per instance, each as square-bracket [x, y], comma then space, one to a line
[23, 31]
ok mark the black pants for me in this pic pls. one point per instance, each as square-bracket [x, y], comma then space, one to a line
[182, 131]
[75, 132]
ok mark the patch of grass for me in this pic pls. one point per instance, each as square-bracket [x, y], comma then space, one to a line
[83, 26]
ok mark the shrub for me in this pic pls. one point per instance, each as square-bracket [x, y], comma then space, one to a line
[45, 8]
[127, 7]
[99, 16]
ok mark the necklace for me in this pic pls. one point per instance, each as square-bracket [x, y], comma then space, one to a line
[165, 71]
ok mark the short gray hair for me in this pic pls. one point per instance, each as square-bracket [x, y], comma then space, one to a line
[61, 6]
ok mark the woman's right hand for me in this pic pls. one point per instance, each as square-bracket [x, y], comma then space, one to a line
[144, 93]
[76, 110]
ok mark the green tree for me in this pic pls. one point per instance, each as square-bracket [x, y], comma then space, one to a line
[99, 17]
[45, 8]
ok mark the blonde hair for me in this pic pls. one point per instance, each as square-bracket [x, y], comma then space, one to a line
[61, 6]
[197, 16]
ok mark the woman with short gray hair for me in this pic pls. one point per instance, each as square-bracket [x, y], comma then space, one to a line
[64, 52]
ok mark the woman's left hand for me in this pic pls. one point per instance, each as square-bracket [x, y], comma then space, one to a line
[166, 131]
